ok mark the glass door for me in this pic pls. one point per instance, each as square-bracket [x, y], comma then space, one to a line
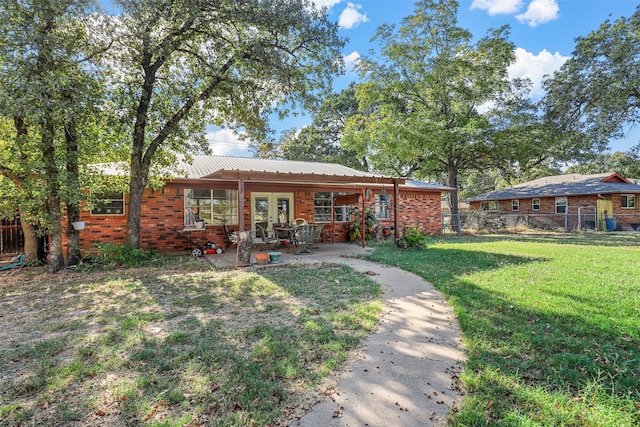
[271, 208]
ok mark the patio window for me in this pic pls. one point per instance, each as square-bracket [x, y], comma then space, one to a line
[213, 206]
[535, 204]
[515, 205]
[561, 205]
[383, 210]
[322, 208]
[628, 201]
[489, 206]
[109, 203]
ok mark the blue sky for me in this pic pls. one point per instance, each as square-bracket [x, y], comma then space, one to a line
[543, 31]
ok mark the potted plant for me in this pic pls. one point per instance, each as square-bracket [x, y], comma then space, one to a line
[262, 259]
[274, 257]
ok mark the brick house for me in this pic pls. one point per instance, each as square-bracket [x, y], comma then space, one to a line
[242, 193]
[603, 201]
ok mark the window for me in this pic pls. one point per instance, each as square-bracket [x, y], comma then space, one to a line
[489, 206]
[322, 208]
[214, 207]
[535, 204]
[561, 205]
[382, 206]
[628, 201]
[109, 203]
[515, 205]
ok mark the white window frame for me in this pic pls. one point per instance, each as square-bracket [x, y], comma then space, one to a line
[209, 209]
[535, 204]
[560, 204]
[628, 201]
[491, 206]
[109, 203]
[322, 208]
[515, 205]
[383, 208]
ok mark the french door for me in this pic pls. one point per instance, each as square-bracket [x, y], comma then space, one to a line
[271, 208]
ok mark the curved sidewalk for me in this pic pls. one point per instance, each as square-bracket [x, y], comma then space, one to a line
[407, 371]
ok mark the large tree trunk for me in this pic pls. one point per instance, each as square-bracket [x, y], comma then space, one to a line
[136, 188]
[56, 256]
[73, 187]
[452, 176]
[30, 241]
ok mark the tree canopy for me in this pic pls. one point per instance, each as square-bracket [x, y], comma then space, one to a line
[320, 141]
[437, 102]
[595, 95]
[178, 66]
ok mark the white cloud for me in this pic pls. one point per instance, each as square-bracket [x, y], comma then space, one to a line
[328, 3]
[539, 12]
[224, 142]
[535, 67]
[495, 7]
[351, 17]
[351, 60]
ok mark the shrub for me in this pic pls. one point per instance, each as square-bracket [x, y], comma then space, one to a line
[414, 237]
[112, 253]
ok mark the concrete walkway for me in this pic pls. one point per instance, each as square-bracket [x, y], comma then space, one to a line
[406, 373]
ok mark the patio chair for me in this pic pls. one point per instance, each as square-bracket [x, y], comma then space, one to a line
[298, 222]
[304, 235]
[316, 235]
[16, 261]
[271, 242]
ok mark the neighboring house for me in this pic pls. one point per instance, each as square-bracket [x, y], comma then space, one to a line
[243, 192]
[602, 201]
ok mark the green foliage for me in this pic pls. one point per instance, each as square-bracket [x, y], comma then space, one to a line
[415, 238]
[320, 141]
[114, 254]
[355, 224]
[593, 97]
[550, 324]
[420, 112]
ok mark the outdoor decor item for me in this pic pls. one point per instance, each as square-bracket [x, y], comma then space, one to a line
[274, 257]
[262, 259]
[244, 249]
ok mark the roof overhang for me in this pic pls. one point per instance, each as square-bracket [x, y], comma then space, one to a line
[301, 177]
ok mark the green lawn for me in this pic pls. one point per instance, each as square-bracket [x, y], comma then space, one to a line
[551, 324]
[176, 344]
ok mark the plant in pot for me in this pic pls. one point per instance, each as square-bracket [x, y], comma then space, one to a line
[274, 257]
[355, 225]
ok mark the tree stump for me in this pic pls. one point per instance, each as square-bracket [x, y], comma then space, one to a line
[244, 249]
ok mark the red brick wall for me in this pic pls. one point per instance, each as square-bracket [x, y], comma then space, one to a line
[548, 207]
[162, 211]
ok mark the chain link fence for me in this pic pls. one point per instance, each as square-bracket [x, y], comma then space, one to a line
[585, 220]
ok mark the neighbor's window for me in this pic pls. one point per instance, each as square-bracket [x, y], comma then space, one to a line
[489, 206]
[322, 208]
[109, 203]
[535, 204]
[383, 210]
[515, 205]
[628, 201]
[561, 205]
[214, 207]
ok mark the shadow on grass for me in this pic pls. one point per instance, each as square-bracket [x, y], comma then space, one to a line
[173, 348]
[528, 363]
[568, 238]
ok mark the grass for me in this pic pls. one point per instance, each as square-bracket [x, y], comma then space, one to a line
[176, 344]
[551, 325]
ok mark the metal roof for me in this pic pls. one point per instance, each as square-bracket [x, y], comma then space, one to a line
[563, 185]
[204, 166]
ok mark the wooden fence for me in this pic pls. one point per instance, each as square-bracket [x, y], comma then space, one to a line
[11, 237]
